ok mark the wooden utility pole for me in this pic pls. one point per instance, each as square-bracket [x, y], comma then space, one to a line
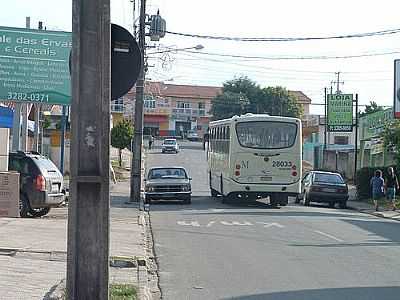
[88, 211]
[136, 176]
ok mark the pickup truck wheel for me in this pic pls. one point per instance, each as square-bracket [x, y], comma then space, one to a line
[23, 206]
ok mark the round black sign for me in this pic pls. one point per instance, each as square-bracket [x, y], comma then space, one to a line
[126, 61]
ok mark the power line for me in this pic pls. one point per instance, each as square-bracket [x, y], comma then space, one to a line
[288, 39]
[294, 57]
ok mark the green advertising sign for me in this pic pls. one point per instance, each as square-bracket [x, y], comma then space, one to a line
[340, 112]
[34, 66]
[373, 124]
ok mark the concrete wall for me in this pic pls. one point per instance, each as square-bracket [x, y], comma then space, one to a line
[342, 162]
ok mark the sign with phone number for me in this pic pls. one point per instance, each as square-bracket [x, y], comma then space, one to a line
[34, 66]
[342, 128]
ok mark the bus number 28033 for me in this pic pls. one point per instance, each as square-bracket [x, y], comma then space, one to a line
[281, 164]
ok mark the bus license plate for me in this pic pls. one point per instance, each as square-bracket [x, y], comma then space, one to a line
[266, 178]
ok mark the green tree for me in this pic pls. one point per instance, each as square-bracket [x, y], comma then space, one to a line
[121, 136]
[391, 138]
[242, 95]
[371, 108]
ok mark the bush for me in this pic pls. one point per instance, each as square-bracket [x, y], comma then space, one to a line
[364, 176]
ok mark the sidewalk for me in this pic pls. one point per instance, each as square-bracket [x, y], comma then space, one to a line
[368, 208]
[33, 251]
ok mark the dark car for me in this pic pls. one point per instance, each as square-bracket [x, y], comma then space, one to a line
[324, 187]
[168, 183]
[41, 183]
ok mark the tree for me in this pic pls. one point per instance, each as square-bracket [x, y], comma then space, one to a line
[391, 138]
[371, 108]
[242, 95]
[121, 136]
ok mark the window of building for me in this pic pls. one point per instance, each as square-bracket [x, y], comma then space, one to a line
[202, 105]
[149, 103]
[341, 140]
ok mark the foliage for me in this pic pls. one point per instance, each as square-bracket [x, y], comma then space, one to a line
[121, 136]
[242, 95]
[46, 122]
[122, 292]
[371, 108]
[364, 176]
[391, 138]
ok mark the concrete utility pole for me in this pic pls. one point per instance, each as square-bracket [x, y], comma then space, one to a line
[25, 110]
[88, 211]
[337, 82]
[38, 108]
[16, 145]
[136, 177]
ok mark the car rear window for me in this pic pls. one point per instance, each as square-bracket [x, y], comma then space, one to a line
[45, 164]
[167, 173]
[328, 178]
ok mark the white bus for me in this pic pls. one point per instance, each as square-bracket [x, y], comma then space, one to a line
[254, 156]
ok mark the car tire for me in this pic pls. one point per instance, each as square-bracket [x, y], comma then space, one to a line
[343, 204]
[306, 200]
[283, 200]
[273, 201]
[297, 200]
[225, 199]
[214, 193]
[23, 206]
[332, 204]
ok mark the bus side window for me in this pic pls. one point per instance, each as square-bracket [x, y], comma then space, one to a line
[228, 137]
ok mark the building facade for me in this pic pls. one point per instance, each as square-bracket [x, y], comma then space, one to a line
[174, 110]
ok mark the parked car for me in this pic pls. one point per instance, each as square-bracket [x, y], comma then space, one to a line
[168, 183]
[193, 136]
[324, 187]
[41, 183]
[170, 145]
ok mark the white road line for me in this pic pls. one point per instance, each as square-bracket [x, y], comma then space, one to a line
[329, 236]
[266, 225]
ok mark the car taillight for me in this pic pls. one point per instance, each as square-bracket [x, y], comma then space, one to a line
[40, 183]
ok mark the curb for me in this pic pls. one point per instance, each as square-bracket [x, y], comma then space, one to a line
[375, 213]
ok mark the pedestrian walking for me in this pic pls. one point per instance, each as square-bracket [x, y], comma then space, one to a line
[377, 184]
[391, 184]
[151, 140]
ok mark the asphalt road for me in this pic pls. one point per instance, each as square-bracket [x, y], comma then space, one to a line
[210, 250]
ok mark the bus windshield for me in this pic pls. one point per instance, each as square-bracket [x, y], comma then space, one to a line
[266, 134]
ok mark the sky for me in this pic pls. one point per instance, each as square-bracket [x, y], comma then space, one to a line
[370, 77]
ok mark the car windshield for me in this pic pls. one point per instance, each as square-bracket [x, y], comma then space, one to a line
[170, 142]
[167, 173]
[266, 134]
[328, 178]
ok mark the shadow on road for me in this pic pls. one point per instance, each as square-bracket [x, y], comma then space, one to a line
[353, 293]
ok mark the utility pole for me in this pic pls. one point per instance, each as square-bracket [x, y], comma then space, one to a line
[337, 82]
[37, 114]
[356, 144]
[134, 18]
[24, 110]
[88, 209]
[136, 165]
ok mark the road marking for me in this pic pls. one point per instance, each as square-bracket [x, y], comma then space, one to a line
[217, 210]
[329, 236]
[189, 223]
[267, 225]
[235, 223]
[210, 223]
